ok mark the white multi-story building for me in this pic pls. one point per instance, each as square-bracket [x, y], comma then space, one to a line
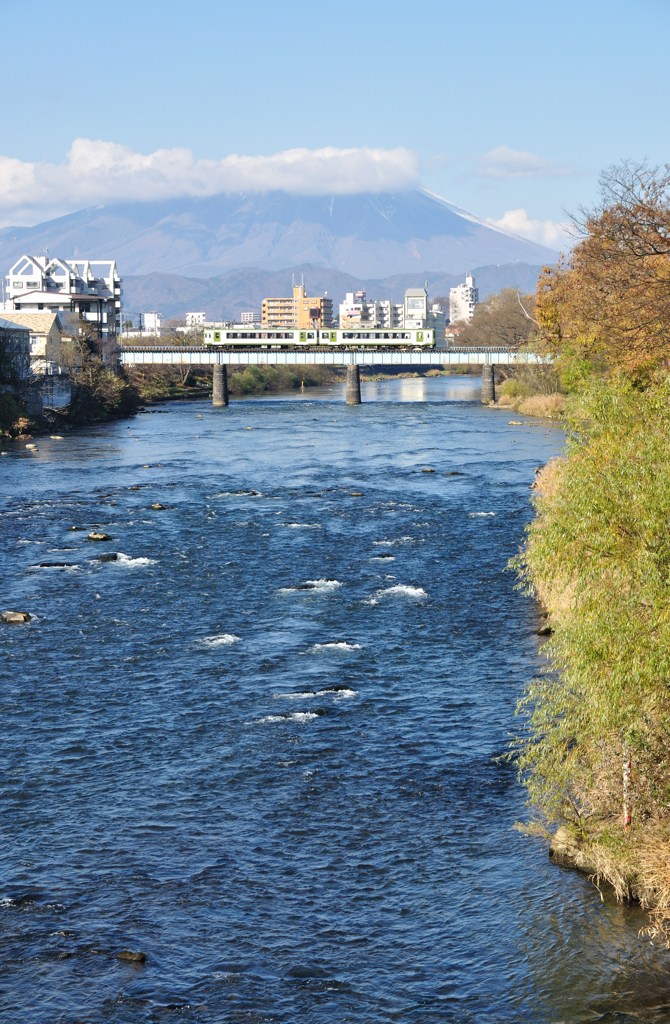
[357, 311]
[389, 314]
[89, 289]
[150, 323]
[462, 301]
[198, 319]
[415, 307]
[250, 316]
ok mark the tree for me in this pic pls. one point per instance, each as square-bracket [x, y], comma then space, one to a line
[607, 307]
[99, 389]
[506, 319]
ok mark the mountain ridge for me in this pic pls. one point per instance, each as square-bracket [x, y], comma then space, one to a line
[367, 235]
[227, 295]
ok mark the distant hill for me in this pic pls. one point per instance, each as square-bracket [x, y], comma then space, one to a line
[367, 236]
[229, 294]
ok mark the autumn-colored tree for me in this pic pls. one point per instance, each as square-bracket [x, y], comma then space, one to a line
[607, 307]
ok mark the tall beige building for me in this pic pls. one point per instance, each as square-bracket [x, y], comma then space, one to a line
[301, 312]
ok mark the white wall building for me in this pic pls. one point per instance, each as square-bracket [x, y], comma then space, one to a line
[198, 319]
[150, 323]
[389, 314]
[89, 289]
[250, 316]
[357, 311]
[462, 301]
[415, 307]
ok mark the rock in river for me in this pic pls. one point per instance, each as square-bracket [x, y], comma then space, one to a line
[131, 956]
[16, 616]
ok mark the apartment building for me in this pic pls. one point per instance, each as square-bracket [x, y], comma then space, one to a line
[298, 312]
[150, 323]
[358, 311]
[462, 301]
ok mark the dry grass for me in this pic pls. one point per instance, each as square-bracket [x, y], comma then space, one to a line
[549, 478]
[549, 407]
[653, 885]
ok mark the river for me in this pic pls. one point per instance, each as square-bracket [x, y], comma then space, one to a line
[262, 746]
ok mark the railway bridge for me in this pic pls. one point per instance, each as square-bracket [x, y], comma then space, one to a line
[220, 359]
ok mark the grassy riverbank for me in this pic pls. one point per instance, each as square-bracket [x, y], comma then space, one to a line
[593, 749]
[598, 722]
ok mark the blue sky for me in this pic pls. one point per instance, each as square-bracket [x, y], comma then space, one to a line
[509, 110]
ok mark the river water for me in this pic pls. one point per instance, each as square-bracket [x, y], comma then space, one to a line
[261, 747]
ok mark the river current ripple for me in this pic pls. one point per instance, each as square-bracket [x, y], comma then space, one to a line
[262, 745]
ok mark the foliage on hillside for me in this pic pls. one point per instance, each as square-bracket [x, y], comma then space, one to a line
[594, 753]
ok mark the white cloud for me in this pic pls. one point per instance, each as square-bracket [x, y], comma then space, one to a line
[504, 162]
[552, 233]
[101, 172]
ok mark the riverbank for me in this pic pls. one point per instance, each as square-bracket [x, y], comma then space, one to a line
[101, 398]
[149, 386]
[594, 752]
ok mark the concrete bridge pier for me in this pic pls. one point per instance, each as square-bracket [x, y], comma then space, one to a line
[219, 385]
[488, 384]
[352, 394]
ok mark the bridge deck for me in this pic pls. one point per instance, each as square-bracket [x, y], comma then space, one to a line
[190, 355]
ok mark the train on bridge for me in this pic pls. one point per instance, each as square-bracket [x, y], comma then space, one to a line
[407, 339]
